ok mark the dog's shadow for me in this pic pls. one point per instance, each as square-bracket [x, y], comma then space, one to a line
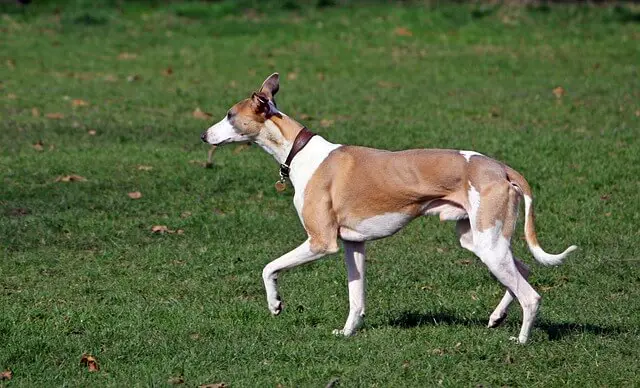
[555, 330]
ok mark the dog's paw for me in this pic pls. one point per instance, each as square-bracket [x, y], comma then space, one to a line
[343, 332]
[495, 321]
[275, 306]
[521, 339]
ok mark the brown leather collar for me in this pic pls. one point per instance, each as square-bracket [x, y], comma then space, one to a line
[299, 143]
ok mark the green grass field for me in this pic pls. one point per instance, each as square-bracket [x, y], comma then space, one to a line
[101, 91]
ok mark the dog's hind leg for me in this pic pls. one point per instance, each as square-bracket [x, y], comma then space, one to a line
[354, 258]
[465, 235]
[492, 225]
[500, 313]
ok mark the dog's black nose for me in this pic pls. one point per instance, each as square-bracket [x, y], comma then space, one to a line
[204, 137]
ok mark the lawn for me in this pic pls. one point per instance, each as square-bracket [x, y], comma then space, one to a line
[118, 96]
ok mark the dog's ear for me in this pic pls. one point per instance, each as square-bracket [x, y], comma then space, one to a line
[260, 102]
[270, 86]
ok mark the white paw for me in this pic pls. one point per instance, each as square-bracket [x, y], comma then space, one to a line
[495, 321]
[275, 306]
[520, 340]
[343, 332]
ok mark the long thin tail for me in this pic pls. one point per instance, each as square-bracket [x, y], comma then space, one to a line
[529, 227]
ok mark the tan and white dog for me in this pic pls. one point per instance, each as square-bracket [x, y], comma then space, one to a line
[357, 194]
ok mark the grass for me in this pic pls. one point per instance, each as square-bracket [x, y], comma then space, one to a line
[81, 271]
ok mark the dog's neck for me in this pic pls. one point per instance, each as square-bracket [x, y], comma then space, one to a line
[278, 136]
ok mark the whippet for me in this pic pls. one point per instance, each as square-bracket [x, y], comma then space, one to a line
[358, 194]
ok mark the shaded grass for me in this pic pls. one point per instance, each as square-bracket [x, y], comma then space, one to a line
[81, 271]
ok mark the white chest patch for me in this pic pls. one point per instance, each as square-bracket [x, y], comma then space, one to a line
[375, 227]
[468, 154]
[474, 202]
[305, 164]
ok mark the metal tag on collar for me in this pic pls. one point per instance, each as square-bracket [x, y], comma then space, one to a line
[281, 184]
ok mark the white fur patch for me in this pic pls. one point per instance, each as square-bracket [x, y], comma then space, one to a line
[474, 201]
[468, 154]
[305, 164]
[223, 132]
[376, 227]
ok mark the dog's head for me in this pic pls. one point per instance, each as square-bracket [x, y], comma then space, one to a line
[246, 119]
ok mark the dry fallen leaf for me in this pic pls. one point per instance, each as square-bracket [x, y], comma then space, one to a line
[143, 167]
[176, 380]
[292, 76]
[11, 64]
[55, 116]
[92, 132]
[167, 72]
[135, 195]
[215, 385]
[402, 31]
[70, 178]
[185, 215]
[90, 362]
[159, 228]
[35, 112]
[38, 146]
[127, 56]
[387, 85]
[198, 114]
[326, 122]
[133, 78]
[559, 92]
[6, 375]
[79, 102]
[320, 76]
[11, 96]
[464, 262]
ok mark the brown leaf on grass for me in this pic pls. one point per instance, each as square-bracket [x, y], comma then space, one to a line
[402, 31]
[39, 146]
[638, 113]
[35, 112]
[559, 92]
[79, 102]
[90, 362]
[55, 116]
[133, 78]
[92, 132]
[326, 123]
[159, 229]
[18, 212]
[387, 84]
[11, 64]
[304, 116]
[464, 262]
[438, 352]
[185, 214]
[474, 296]
[70, 178]
[125, 56]
[6, 375]
[167, 72]
[143, 167]
[176, 380]
[292, 76]
[320, 76]
[199, 114]
[215, 385]
[135, 195]
[605, 197]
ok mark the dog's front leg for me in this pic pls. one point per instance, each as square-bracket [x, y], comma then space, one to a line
[354, 257]
[300, 255]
